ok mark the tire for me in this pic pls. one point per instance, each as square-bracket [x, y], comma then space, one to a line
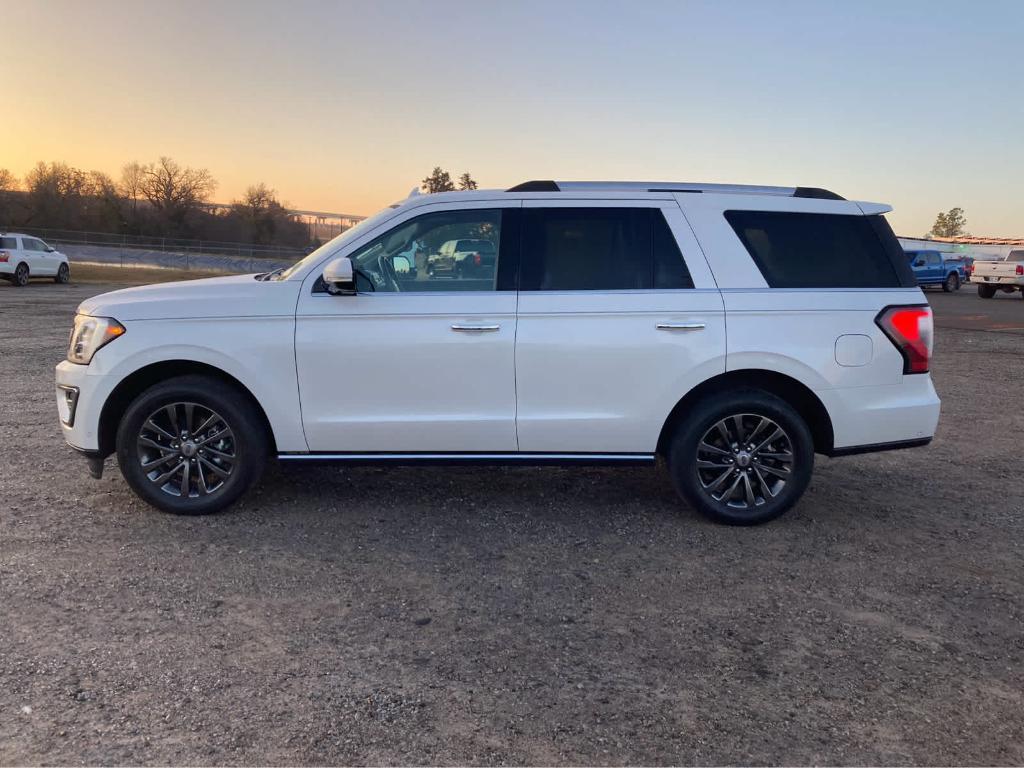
[775, 483]
[228, 465]
[986, 291]
[952, 283]
[63, 274]
[21, 275]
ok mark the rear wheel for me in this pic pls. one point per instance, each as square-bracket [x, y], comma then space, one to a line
[191, 445]
[21, 275]
[743, 458]
[986, 291]
[952, 283]
[63, 274]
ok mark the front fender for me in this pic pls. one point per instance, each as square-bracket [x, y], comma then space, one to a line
[257, 352]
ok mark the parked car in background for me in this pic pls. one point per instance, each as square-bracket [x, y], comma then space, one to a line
[464, 258]
[934, 268]
[1004, 275]
[733, 331]
[23, 257]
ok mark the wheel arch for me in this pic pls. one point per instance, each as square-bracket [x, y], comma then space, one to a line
[794, 392]
[135, 383]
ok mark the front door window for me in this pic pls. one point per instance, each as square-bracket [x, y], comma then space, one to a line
[444, 251]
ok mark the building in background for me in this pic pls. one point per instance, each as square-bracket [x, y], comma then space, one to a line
[978, 248]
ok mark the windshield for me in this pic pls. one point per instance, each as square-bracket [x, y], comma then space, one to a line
[332, 245]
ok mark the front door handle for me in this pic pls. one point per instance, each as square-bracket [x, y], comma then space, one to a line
[680, 326]
[475, 328]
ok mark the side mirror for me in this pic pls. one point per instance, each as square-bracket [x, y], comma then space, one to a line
[340, 277]
[919, 263]
[50, 249]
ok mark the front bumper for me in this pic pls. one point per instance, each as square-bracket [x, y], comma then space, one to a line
[80, 396]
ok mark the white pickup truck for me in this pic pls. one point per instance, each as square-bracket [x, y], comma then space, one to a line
[1005, 275]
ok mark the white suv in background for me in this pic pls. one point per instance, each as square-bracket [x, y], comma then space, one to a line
[23, 257]
[733, 331]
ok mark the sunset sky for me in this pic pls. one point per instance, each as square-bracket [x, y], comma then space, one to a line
[345, 106]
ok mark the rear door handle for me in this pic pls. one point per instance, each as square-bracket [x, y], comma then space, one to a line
[680, 326]
[475, 328]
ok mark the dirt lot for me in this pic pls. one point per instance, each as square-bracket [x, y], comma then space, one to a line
[495, 616]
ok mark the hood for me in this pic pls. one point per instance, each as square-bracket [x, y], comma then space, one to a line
[233, 296]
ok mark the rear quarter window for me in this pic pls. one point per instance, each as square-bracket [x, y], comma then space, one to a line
[822, 250]
[8, 243]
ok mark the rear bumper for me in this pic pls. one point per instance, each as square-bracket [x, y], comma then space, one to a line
[878, 418]
[998, 282]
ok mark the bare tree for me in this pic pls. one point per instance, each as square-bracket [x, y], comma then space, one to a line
[7, 184]
[104, 204]
[262, 216]
[175, 191]
[54, 194]
[133, 175]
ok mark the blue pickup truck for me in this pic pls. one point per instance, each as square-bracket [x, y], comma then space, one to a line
[934, 268]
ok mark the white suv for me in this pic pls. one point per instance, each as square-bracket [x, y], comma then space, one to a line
[734, 331]
[23, 257]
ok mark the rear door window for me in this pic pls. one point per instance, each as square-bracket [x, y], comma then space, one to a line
[822, 250]
[600, 249]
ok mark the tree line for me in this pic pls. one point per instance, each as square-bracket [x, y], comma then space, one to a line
[161, 199]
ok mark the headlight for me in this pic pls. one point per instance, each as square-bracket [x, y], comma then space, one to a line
[89, 334]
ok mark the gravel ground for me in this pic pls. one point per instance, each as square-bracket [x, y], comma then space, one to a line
[488, 616]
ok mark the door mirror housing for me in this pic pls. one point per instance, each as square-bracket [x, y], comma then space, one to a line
[919, 263]
[340, 277]
[50, 249]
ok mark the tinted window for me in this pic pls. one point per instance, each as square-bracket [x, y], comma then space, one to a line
[821, 250]
[8, 243]
[600, 249]
[421, 255]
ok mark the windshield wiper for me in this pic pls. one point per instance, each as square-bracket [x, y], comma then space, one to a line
[264, 276]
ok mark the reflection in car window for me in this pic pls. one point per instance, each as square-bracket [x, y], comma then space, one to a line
[443, 251]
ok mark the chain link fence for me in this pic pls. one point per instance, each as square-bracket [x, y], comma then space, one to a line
[166, 252]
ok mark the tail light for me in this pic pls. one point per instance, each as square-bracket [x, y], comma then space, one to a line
[911, 329]
[1020, 269]
[4, 256]
[476, 260]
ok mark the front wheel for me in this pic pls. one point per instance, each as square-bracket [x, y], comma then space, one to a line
[63, 274]
[743, 458]
[952, 283]
[191, 445]
[986, 291]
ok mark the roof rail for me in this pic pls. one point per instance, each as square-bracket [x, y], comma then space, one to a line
[667, 186]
